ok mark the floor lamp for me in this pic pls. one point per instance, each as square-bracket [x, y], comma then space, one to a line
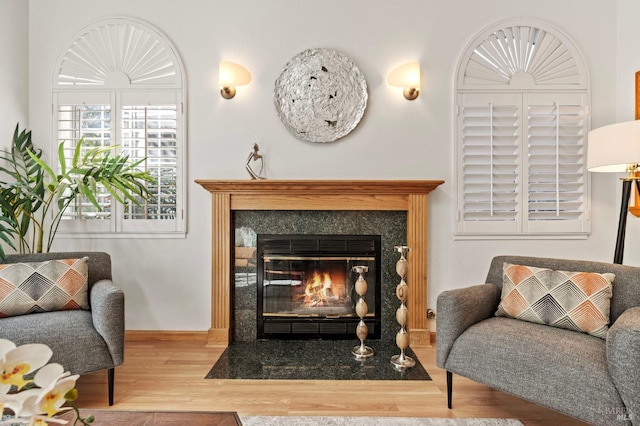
[616, 149]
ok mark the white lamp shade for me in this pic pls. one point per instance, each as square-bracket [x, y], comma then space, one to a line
[611, 148]
[407, 75]
[232, 74]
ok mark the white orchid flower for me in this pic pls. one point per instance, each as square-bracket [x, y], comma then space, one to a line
[32, 409]
[51, 401]
[34, 406]
[6, 346]
[49, 374]
[21, 361]
[54, 383]
[15, 401]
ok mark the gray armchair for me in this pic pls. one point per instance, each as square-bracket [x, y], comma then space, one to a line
[82, 341]
[586, 377]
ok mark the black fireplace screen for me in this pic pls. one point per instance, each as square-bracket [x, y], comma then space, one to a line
[306, 285]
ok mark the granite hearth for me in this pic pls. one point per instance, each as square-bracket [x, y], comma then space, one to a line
[310, 360]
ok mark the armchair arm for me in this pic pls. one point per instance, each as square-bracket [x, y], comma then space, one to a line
[458, 310]
[107, 312]
[623, 355]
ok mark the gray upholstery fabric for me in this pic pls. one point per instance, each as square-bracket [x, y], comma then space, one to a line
[592, 379]
[623, 353]
[462, 308]
[82, 341]
[76, 345]
[528, 360]
[107, 307]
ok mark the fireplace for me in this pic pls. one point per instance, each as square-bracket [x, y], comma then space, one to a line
[229, 197]
[305, 285]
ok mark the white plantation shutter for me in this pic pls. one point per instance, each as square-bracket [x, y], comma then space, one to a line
[93, 124]
[150, 130]
[149, 134]
[90, 117]
[121, 82]
[557, 176]
[119, 51]
[490, 129]
[522, 104]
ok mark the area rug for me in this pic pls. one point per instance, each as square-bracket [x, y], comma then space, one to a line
[370, 421]
[311, 360]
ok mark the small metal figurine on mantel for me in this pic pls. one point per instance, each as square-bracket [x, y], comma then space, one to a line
[253, 157]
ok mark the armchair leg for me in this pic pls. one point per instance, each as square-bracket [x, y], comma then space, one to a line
[111, 374]
[449, 388]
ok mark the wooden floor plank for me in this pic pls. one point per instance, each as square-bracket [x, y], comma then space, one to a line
[169, 375]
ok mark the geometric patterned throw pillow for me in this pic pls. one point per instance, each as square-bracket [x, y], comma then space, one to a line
[54, 285]
[578, 301]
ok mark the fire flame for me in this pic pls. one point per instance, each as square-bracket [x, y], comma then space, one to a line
[319, 290]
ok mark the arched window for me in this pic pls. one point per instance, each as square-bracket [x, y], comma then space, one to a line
[522, 105]
[121, 82]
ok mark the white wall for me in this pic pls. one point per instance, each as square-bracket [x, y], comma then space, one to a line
[14, 68]
[167, 281]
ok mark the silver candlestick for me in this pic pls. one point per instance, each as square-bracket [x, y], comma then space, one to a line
[361, 351]
[402, 314]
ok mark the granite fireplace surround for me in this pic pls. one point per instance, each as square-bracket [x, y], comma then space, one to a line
[394, 209]
[390, 225]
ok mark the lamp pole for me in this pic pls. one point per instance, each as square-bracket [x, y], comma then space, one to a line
[622, 222]
[616, 149]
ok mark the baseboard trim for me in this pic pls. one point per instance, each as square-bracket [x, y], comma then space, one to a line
[165, 336]
[186, 336]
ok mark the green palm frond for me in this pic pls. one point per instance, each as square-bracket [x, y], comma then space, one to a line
[32, 187]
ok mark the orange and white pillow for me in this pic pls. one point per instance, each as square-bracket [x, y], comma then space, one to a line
[578, 301]
[53, 285]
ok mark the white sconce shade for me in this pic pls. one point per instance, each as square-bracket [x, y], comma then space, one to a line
[408, 77]
[614, 148]
[231, 75]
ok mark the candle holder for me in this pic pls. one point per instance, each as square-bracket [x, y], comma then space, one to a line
[361, 351]
[402, 314]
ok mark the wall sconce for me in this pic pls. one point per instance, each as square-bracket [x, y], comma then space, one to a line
[231, 75]
[407, 76]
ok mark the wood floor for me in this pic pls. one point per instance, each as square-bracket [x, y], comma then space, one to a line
[169, 375]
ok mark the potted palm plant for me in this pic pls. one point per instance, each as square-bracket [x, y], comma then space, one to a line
[34, 195]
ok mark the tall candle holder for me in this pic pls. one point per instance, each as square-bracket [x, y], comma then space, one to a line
[361, 351]
[402, 314]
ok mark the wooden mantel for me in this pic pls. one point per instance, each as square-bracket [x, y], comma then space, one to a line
[228, 196]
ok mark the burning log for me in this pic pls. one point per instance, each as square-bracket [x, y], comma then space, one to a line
[319, 291]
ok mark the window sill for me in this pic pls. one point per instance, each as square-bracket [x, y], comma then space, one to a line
[123, 235]
[472, 237]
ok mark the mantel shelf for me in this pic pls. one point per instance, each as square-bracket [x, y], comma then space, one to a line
[228, 196]
[319, 194]
[321, 186]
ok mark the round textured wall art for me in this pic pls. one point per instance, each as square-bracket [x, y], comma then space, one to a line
[320, 95]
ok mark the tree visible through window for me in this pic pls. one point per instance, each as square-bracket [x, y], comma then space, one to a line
[150, 134]
[93, 124]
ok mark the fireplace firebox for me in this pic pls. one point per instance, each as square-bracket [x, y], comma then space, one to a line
[306, 285]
